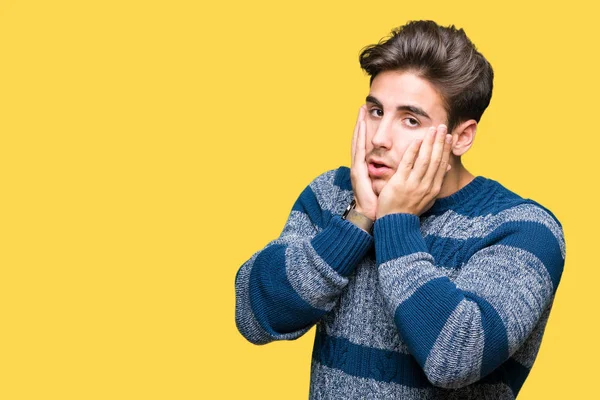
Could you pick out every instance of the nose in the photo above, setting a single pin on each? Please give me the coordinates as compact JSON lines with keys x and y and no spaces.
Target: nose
{"x":383,"y":135}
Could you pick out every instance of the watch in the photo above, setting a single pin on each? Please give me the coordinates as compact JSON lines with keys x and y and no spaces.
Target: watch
{"x":358,"y":219}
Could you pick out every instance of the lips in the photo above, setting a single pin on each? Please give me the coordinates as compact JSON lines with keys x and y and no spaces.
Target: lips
{"x":378,"y":169}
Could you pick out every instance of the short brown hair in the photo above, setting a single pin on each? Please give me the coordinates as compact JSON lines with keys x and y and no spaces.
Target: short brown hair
{"x":445,"y":57}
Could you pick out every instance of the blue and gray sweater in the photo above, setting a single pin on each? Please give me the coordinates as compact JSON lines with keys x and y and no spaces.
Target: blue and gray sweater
{"x":449,"y":304}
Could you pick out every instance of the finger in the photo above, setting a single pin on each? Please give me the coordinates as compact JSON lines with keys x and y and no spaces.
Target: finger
{"x":360,"y":160}
{"x":361,"y":112}
{"x":423,"y":157}
{"x":355,"y":134}
{"x":444,"y":164}
{"x":408,"y":159}
{"x":437,"y":155}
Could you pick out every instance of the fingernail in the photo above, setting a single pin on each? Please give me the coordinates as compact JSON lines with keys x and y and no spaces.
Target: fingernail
{"x":448,"y":138}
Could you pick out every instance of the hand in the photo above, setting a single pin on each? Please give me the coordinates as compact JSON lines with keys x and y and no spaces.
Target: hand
{"x":414,"y":190}
{"x":366,"y":200}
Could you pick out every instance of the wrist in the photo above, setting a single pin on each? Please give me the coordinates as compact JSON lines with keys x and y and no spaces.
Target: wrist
{"x":366,"y":212}
{"x":359,"y":219}
{"x":384,"y":213}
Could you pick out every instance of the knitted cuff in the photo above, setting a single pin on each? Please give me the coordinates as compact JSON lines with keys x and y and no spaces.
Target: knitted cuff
{"x":397,"y":235}
{"x":342,"y":244}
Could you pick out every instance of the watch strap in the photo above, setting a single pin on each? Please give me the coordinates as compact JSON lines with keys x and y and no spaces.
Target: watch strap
{"x":358,"y":219}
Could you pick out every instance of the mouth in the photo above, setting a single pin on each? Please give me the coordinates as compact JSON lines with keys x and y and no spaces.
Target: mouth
{"x":378,"y":170}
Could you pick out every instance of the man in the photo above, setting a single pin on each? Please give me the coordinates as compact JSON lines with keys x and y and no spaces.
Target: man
{"x":424,"y":280}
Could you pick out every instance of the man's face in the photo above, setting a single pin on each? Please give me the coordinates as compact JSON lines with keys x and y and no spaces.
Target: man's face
{"x":400,"y":108}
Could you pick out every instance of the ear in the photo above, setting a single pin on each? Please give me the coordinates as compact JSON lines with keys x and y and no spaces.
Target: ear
{"x":463,"y":136}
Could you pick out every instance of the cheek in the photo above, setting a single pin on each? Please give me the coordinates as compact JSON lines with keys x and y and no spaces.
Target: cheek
{"x":404,"y":144}
{"x":371,"y":128}
{"x":399,"y":152}
{"x":370,"y":124}
{"x":368,"y":143}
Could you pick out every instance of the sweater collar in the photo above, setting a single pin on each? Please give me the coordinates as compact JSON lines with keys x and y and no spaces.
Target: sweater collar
{"x":461,"y":197}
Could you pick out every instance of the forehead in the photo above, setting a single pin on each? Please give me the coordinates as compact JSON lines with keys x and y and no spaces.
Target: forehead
{"x":395,"y":88}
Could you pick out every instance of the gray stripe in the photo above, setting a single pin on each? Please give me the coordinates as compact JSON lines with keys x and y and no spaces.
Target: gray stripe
{"x":298,"y":227}
{"x":514,"y":282}
{"x":526,"y":354}
{"x":462,"y":331}
{"x":344,"y":197}
{"x":332,"y":384}
{"x":244,"y":316}
{"x":311,"y":277}
{"x":447,"y":225}
{"x":399,"y":282}
{"x":362,"y":316}
{"x":322,"y":186}
{"x":331,"y":197}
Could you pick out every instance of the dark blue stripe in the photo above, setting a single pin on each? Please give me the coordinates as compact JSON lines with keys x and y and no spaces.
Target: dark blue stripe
{"x":276,"y":305}
{"x":515,"y":375}
{"x":341,"y":245}
{"x":526,"y":235}
{"x":450,"y":252}
{"x":511,"y":373}
{"x":537,"y":239}
{"x":495,"y":348}
{"x":367,"y":362}
{"x":422,"y":316}
{"x":342,"y":178}
{"x":389,"y":366}
{"x":307,"y":203}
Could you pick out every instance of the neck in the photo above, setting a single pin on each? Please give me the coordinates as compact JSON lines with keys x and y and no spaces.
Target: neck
{"x":457,"y":178}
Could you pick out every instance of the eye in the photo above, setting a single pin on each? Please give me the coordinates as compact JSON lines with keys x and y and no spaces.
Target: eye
{"x":413,"y":123}
{"x":376,"y":112}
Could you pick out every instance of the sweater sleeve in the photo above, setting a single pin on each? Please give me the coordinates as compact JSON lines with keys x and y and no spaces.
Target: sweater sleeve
{"x":286,"y":287}
{"x":461,"y":331}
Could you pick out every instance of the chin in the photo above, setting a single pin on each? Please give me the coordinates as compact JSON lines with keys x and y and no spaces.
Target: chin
{"x":377,"y":185}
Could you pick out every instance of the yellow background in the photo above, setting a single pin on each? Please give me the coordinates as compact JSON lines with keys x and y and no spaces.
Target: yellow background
{"x":148,"y":148}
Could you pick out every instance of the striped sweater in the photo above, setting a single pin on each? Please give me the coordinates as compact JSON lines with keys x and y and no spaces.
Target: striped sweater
{"x":451,"y":304}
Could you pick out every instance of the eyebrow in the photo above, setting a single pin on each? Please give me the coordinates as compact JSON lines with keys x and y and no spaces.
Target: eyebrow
{"x":402,"y":107}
